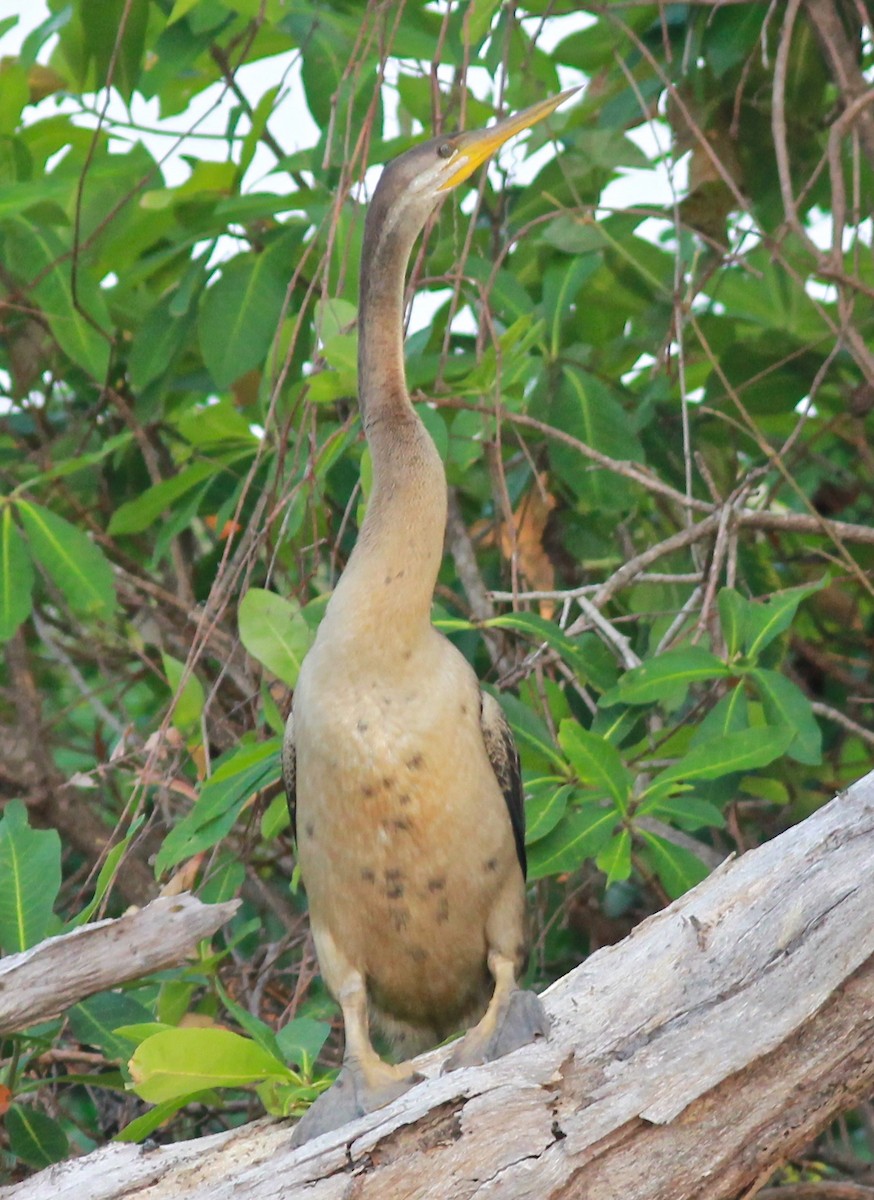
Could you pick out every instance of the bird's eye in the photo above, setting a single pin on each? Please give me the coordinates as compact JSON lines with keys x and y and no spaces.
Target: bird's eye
{"x":444,"y":150}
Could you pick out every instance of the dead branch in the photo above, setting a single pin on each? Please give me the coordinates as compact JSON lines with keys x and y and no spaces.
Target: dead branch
{"x":686,"y":1062}
{"x":62,"y":970}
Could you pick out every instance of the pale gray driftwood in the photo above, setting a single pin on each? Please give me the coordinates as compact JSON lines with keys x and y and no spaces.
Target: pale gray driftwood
{"x":62,"y":970}
{"x":686,"y":1062}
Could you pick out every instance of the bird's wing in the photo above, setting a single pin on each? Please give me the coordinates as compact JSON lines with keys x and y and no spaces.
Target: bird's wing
{"x":504,"y":757}
{"x":289,"y":772}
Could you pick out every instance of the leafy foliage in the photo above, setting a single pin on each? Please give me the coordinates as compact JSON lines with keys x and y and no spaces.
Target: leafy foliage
{"x":643,"y":353}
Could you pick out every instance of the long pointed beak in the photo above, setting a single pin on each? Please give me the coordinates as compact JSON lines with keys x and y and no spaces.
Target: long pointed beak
{"x":474,"y":148}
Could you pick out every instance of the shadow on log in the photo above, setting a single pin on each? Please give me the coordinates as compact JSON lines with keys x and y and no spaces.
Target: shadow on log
{"x":688,"y":1061}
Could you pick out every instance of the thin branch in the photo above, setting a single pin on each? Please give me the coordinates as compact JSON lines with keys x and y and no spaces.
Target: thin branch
{"x":778,"y":127}
{"x":843,"y":63}
{"x":608,"y":632}
{"x":626,"y":468}
{"x":834,"y":714}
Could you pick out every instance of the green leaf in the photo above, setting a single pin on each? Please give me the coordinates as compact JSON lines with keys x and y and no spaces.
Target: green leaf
{"x":509,"y":360}
{"x":190,"y":699}
{"x":334,"y":317}
{"x":114,"y":41}
{"x":768,"y":618}
{"x":733,"y":616}
{"x":16,"y":577}
{"x":785,"y":704}
{"x":82,"y":462}
{"x":616,"y":724}
{"x":14,"y":95}
{"x":534,"y":740}
{"x":257,"y":125}
{"x":561,"y":284}
{"x":591,"y":48}
{"x":157,"y":341}
{"x":179,"y":10}
{"x":142,"y":1127}
{"x":177,"y":1062}
{"x":544,"y":808}
{"x":35,"y":252}
{"x":301,"y":1041}
{"x":328,"y":55}
{"x":665,"y":676}
{"x":239,"y":776}
{"x":142,"y":1030}
{"x":225,"y":879}
{"x":678,"y":869}
{"x":580,"y":835}
{"x":541,"y":630}
{"x":239,"y":316}
{"x":742,"y":751}
{"x":576,"y":235}
{"x":478,"y":17}
{"x":94,"y":1022}
{"x":36,"y":1139}
{"x":212,"y":425}
{"x":174,"y":1001}
{"x":596,"y":762}
{"x":586,"y":408}
{"x":273,"y":630}
{"x":107,"y":873}
{"x":772,"y":791}
{"x":275,"y":819}
{"x":136,"y":515}
{"x":270,"y":712}
{"x":729,"y":715}
{"x":30,"y":868}
{"x":615,"y":859}
{"x":282,"y":1098}
{"x":687,"y":812}
{"x":259,"y":1031}
{"x":77,"y":567}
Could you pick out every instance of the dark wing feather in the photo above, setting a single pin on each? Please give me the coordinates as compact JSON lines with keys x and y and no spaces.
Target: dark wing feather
{"x":504,"y":757}
{"x":289,"y":773}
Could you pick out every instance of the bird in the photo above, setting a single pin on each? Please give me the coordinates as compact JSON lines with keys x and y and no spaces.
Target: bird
{"x":402,"y":776}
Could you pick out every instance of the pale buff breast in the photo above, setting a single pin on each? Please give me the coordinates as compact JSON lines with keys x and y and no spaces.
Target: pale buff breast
{"x":404,"y":839}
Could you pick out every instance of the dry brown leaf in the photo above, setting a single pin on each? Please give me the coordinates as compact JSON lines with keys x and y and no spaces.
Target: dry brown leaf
{"x":525,"y":537}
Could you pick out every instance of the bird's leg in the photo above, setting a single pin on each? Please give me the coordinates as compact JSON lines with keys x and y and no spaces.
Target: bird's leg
{"x":365,"y":1082}
{"x":377,"y":1081}
{"x":513,"y":1018}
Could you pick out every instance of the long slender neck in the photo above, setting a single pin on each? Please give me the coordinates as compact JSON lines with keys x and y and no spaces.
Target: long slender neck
{"x":382,"y":389}
{"x":388,"y":583}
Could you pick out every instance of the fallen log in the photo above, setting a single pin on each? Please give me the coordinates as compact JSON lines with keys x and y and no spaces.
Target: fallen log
{"x":686,"y":1062}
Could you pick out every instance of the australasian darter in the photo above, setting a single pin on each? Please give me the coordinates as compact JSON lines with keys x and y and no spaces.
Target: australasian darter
{"x":402,"y":775}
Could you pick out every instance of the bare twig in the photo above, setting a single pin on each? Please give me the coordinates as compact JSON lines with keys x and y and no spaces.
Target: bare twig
{"x":608,"y":632}
{"x":841,"y":718}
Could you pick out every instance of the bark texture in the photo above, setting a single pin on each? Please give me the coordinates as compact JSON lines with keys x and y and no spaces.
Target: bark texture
{"x":686,"y":1062}
{"x":62,"y":970}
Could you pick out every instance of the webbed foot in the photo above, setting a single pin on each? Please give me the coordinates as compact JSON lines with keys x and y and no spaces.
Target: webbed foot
{"x":521,"y":1020}
{"x":353,"y":1094}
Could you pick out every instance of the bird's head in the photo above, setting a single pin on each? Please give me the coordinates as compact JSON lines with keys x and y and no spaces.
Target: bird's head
{"x":412,"y":185}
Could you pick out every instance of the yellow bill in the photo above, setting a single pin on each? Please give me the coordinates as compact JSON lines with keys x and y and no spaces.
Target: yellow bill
{"x":472,"y":149}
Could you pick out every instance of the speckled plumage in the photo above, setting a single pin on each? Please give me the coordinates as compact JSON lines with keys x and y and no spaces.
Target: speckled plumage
{"x":416,"y":842}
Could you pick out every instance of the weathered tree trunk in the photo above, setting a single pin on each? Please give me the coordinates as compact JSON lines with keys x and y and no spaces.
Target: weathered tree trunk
{"x":688,"y":1061}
